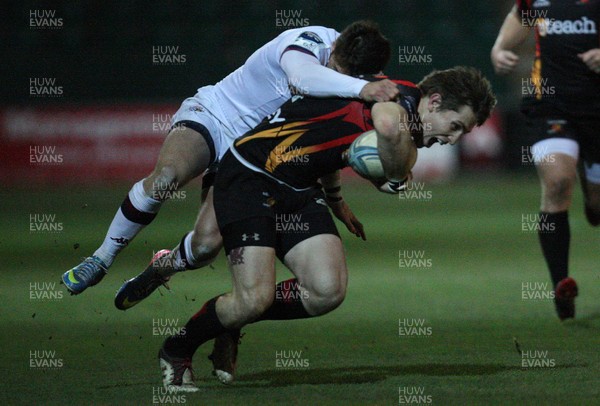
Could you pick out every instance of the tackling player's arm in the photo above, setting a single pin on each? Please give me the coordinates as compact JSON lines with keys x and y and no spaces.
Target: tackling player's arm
{"x":395,"y":145}
{"x":512,"y":33}
{"x":317,"y":80}
{"x":332,"y":185}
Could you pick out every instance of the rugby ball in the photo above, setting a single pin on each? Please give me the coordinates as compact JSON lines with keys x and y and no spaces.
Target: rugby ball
{"x":363,"y":156}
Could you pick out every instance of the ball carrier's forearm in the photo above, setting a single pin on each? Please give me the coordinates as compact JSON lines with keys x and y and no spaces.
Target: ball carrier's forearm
{"x":332,"y":185}
{"x":396,"y":148}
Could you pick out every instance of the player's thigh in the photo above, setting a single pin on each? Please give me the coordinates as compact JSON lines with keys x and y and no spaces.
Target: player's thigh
{"x":253,"y":271}
{"x":186,"y":152}
{"x":556,"y":164}
{"x":319,"y":264}
{"x":253,"y":279}
{"x":250,"y":249}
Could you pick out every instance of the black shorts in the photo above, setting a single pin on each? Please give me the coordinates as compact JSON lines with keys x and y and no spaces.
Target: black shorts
{"x":208,"y":177}
{"x":546,"y":120}
{"x":254,"y":210}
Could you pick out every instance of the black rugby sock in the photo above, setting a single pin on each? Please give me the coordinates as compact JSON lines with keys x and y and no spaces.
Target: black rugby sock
{"x":202,"y":327}
{"x":287,"y":304}
{"x":555,"y":237}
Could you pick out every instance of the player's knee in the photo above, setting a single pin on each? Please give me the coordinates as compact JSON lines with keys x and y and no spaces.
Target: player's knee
{"x":163,"y":181}
{"x":558,"y":190}
{"x":332,"y":301}
{"x":256,"y":302}
{"x":327,"y":296}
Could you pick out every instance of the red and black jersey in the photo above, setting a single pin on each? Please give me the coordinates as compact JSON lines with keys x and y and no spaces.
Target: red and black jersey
{"x":563,"y":29}
{"x":305,"y":138}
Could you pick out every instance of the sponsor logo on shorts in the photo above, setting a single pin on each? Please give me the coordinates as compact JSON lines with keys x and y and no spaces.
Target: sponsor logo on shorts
{"x":541,"y":3}
{"x":254,"y":236}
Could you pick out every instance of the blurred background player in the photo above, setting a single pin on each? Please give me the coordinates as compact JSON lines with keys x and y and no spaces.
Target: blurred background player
{"x":259,"y":183}
{"x":203,"y":128}
{"x":563,"y":110}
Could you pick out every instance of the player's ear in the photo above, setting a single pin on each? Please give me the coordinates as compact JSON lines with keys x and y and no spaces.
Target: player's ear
{"x":434,"y":101}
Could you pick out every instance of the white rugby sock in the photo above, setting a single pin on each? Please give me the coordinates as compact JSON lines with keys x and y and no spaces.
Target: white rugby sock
{"x":137,"y":211}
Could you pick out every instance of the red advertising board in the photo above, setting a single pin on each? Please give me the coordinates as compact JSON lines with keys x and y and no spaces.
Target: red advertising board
{"x":81,"y":144}
{"x":121,"y":143}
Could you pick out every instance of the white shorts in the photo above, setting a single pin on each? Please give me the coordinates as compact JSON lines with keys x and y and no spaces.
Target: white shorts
{"x":198,"y":109}
{"x":565,"y":146}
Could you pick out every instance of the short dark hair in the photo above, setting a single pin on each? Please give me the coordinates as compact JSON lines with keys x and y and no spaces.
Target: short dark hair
{"x":362,"y":49}
{"x":459,"y":86}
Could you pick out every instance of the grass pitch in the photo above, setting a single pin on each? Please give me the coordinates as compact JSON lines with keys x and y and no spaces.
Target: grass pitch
{"x":447,"y":325}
